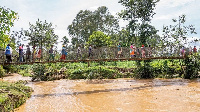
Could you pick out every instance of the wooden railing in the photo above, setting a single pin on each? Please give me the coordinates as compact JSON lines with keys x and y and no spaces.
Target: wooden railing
{"x":100,"y":54}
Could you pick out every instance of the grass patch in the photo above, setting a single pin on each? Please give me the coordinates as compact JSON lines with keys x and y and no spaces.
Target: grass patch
{"x":12,"y":95}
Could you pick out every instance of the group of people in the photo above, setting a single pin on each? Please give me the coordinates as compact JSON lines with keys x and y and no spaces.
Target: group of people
{"x":36,"y":54}
{"x":27,"y":54}
{"x":191,"y":50}
{"x":136,"y":52}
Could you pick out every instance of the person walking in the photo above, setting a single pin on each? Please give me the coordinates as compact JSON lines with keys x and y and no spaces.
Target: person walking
{"x":21,"y":59}
{"x":149,"y":51}
{"x":8,"y":53}
{"x":51,"y":53}
{"x":34,"y":54}
{"x":63,"y":56}
{"x":119,"y":49}
{"x":194,"y":49}
{"x":79,"y":52}
{"x":182,"y":51}
{"x":90,"y":52}
{"x":39,"y":54}
{"x":143,"y":51}
{"x":28,"y":54}
{"x":132,"y":50}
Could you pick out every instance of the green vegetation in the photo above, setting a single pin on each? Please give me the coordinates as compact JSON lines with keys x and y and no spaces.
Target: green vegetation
{"x":7,"y":20}
{"x":108,"y":70}
{"x":12,"y":95}
{"x":2,"y":71}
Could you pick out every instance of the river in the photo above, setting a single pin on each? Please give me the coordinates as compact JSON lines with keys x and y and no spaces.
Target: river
{"x":117,"y":95}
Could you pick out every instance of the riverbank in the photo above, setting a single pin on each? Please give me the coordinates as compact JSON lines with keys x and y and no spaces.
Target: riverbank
{"x":13,"y":92}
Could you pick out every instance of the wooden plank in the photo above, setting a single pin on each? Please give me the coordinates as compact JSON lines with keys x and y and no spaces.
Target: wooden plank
{"x":91,"y":60}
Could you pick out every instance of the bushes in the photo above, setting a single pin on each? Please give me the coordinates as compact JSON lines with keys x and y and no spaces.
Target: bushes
{"x":93,"y":73}
{"x":11,"y":68}
{"x":192,"y":68}
{"x":38,"y":72}
{"x":2,"y":72}
{"x":144,"y":70}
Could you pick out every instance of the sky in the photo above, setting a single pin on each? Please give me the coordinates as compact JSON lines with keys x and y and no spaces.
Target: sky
{"x":62,"y":12}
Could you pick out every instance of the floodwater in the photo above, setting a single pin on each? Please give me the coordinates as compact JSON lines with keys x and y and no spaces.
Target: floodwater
{"x":117,"y":95}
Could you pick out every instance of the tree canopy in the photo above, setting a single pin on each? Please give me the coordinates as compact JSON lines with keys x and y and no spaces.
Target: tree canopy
{"x":139,"y":13}
{"x":41,"y":34}
{"x":99,"y":39}
{"x":177,"y":34}
{"x":7,"y":18}
{"x":86,"y":22}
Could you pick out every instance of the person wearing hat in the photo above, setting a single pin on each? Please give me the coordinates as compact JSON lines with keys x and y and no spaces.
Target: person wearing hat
{"x":8,"y":53}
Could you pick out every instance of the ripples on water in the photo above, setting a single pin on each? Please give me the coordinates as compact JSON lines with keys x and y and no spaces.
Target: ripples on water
{"x":122,"y":95}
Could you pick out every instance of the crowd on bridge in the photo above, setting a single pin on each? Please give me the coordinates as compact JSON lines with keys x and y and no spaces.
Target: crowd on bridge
{"x":142,"y":52}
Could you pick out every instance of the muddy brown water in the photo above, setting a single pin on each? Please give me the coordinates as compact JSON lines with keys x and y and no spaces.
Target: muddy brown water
{"x":117,"y":95}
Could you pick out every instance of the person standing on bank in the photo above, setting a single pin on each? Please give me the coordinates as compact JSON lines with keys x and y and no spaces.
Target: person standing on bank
{"x":8,"y":53}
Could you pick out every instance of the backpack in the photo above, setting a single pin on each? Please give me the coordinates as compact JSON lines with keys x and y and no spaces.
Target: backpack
{"x":7,"y":50}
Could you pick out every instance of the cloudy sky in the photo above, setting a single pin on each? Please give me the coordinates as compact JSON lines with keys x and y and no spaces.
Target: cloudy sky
{"x":62,"y":12}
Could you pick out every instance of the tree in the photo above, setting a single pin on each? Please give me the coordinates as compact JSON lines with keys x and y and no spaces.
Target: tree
{"x":124,"y":37}
{"x":99,"y":39}
{"x":41,"y":34}
{"x":139,"y":14}
{"x":86,"y":22}
{"x":18,"y":36}
{"x":176,"y":35}
{"x":7,"y":18}
{"x":65,"y":41}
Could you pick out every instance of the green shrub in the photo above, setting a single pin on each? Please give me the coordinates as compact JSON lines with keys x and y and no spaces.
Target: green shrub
{"x":93,"y":73}
{"x":192,"y":66}
{"x":2,"y":72}
{"x":38,"y":72}
{"x":11,"y":68}
{"x":144,"y":70}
